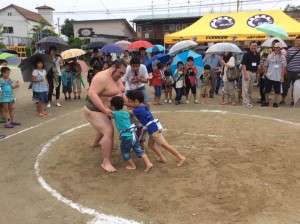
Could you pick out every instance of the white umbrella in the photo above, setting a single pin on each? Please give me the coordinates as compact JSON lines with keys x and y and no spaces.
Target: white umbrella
{"x":182,"y":46}
{"x":296,"y":92}
{"x":123,"y":44}
{"x":220,"y":48}
{"x":268,"y":43}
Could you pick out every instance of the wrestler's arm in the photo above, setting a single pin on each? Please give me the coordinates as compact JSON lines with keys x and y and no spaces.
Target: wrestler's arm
{"x":97,"y":87}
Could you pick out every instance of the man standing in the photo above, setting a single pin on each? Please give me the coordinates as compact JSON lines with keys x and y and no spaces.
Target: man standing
{"x":250,"y":62}
{"x":136,"y":77}
{"x":215,"y":63}
{"x":143,"y":55}
{"x":293,"y":69}
{"x":274,"y":67}
{"x":105,"y":85}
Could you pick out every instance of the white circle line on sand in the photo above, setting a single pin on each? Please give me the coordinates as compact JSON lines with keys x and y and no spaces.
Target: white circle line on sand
{"x":98,"y":216}
{"x":38,"y":125}
{"x":101,"y":218}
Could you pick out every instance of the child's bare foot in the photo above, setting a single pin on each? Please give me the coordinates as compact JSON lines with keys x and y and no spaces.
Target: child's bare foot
{"x":181,"y":161}
{"x":206,"y":102}
{"x":130,"y":167}
{"x":41,"y":115}
{"x":161,"y":160}
{"x":148,"y":168}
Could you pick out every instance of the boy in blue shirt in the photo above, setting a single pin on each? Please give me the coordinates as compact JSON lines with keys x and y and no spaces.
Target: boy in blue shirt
{"x":127,"y":135}
{"x":154,"y":128}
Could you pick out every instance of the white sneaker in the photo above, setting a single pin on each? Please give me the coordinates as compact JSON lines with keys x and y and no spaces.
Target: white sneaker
{"x":166,"y":101}
{"x":48,"y":105}
{"x":170,"y":101}
{"x":58,"y":105}
{"x":249,"y":105}
{"x":187,"y":102}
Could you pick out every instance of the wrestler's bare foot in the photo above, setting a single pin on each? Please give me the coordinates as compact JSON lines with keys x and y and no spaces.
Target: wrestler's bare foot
{"x":181,"y":161}
{"x":148,"y":168}
{"x":108,"y":167}
{"x":161,"y":160}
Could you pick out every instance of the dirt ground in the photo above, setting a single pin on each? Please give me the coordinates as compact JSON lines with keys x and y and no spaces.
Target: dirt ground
{"x":240,"y":167}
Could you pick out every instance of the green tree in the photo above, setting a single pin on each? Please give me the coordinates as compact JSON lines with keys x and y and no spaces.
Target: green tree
{"x":292,"y":8}
{"x":2,"y":45}
{"x":75,"y":42}
{"x":67,"y":28}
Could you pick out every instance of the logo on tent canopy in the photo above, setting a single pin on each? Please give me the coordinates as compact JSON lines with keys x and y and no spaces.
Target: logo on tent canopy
{"x":259,"y":19}
{"x":222,"y":22}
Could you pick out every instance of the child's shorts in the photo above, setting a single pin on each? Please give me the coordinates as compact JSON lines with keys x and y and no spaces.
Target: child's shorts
{"x":41,"y":96}
{"x":126,"y":146}
{"x":157,"y":138}
{"x":68,"y":88}
{"x":204,"y":91}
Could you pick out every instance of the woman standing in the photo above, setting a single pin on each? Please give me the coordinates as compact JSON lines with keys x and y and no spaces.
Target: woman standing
{"x":228,"y":62}
{"x":54,"y":77}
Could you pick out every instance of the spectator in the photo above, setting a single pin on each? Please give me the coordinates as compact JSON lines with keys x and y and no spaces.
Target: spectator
{"x":228,"y":62}
{"x":143,"y":56}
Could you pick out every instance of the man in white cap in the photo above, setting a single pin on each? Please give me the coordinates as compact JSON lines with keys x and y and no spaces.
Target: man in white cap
{"x":275,"y":66}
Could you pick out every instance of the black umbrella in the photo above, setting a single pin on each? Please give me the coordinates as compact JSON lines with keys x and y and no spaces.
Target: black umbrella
{"x":4,"y":50}
{"x":96,"y":44}
{"x":27,"y":65}
{"x":58,"y":42}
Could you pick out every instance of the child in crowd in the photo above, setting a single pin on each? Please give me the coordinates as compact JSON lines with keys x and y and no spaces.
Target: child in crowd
{"x":157,"y":82}
{"x":67,"y":80}
{"x":168,"y":82}
{"x":261,"y":72}
{"x":7,"y":97}
{"x":190,"y":72}
{"x":205,"y":81}
{"x":127,"y":135}
{"x":77,"y":79}
{"x":92,"y":72}
{"x":179,"y":82}
{"x":3,"y":63}
{"x":154,"y":128}
{"x":105,"y":65}
{"x":40,"y":86}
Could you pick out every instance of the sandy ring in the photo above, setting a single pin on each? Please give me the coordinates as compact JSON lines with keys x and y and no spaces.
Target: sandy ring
{"x":100,"y":218}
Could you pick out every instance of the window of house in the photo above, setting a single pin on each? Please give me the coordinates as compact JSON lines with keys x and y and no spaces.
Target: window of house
{"x":8,"y":29}
{"x":138,"y":29}
{"x":9,"y":14}
{"x":177,"y":27}
{"x":169,"y":27}
{"x":184,"y":26}
{"x":146,"y":28}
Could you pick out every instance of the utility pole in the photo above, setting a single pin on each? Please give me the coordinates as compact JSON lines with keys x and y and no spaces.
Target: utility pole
{"x":237,"y":5}
{"x":58,"y":26}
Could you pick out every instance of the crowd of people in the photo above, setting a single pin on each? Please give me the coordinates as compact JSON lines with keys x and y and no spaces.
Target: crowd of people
{"x":113,"y":84}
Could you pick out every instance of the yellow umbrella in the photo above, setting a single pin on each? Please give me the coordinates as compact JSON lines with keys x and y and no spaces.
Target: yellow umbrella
{"x":72,"y":53}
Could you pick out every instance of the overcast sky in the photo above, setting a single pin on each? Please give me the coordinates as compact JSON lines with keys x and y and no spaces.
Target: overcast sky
{"x":94,"y":9}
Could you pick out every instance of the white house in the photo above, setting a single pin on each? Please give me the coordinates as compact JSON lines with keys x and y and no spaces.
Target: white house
{"x":18,"y":22}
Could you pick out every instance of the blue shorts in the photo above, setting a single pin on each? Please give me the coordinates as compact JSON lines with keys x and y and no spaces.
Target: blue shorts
{"x":68,"y":88}
{"x":157,"y":90}
{"x":126,"y":145}
{"x":41,"y":96}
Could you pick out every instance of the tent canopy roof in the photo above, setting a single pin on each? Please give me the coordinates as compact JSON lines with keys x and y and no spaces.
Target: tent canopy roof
{"x":238,"y":26}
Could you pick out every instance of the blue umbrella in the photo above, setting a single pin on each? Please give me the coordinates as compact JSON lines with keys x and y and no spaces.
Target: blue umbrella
{"x":112,"y":48}
{"x":164,"y":58}
{"x":183,"y":57}
{"x":156,"y":48}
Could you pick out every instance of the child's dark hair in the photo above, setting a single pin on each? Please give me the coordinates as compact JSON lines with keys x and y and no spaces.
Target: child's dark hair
{"x":160,"y":65}
{"x":264,"y":55}
{"x":117,"y":102}
{"x":135,"y":61}
{"x":136,"y":95}
{"x":37,"y":61}
{"x":52,"y":48}
{"x":207,"y":67}
{"x":4,"y":69}
{"x":167,"y":73}
{"x":180,"y":63}
{"x":2,"y":61}
{"x":168,"y":63}
{"x":190,"y":58}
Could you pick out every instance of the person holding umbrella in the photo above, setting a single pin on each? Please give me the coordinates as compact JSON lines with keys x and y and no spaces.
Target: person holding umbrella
{"x":77,"y":78}
{"x":54,"y":77}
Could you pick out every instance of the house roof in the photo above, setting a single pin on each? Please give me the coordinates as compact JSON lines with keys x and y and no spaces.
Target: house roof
{"x":105,"y":20}
{"x":44,"y":7}
{"x":33,"y":16}
{"x":188,"y":15}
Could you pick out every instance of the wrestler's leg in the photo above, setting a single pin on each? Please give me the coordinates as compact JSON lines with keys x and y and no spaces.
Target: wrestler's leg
{"x":104,"y":126}
{"x":96,"y":140}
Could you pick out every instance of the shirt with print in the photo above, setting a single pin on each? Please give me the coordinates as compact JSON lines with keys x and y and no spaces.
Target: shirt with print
{"x":157,"y":78}
{"x":205,"y":78}
{"x":6,"y":89}
{"x":39,"y":86}
{"x":144,"y":115}
{"x":122,"y":122}
{"x":275,"y":64}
